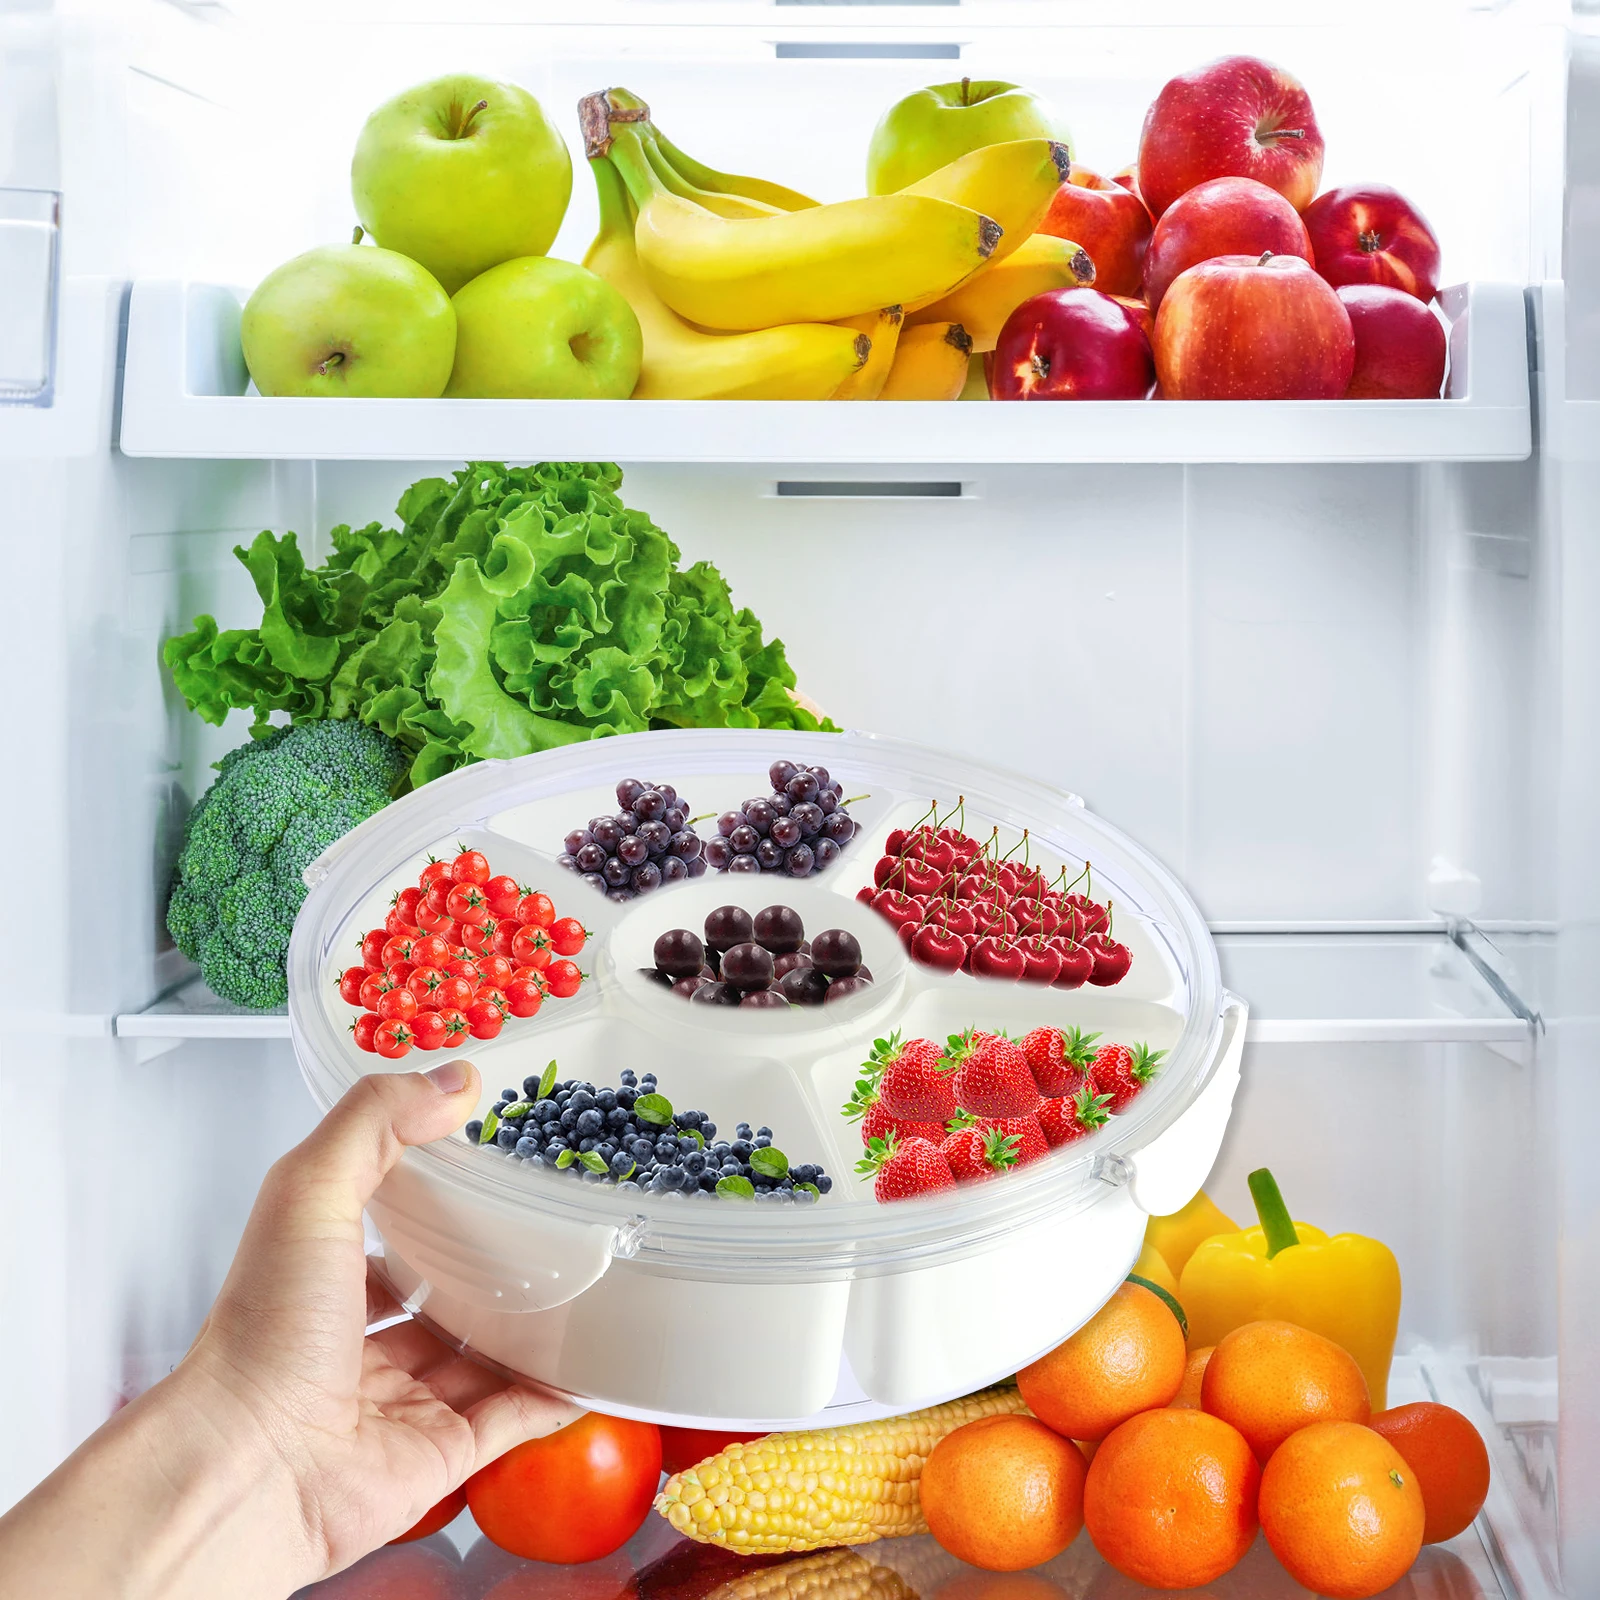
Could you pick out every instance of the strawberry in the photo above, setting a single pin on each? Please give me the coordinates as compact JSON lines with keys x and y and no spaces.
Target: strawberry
{"x":910,"y":1083}
{"x":1070,"y":1117}
{"x":916,"y":1167}
{"x":976,"y":1153}
{"x":878,"y":1124}
{"x":1121,"y":1072}
{"x":1056,"y":1060}
{"x":1025,"y":1132}
{"x":991,"y":1075}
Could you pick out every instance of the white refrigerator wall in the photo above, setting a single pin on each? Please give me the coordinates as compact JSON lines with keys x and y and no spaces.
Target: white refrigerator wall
{"x":1310,"y":689}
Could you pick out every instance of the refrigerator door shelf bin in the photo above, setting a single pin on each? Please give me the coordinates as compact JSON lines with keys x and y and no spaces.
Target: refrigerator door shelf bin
{"x":186,"y":395}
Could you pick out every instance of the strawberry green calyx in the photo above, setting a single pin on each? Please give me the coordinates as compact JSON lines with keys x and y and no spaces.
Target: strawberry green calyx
{"x":878,"y":1154}
{"x":1145,"y":1062}
{"x":1000,"y":1149}
{"x":1091,"y":1108}
{"x":958,"y":1046}
{"x":862,"y":1099}
{"x":1078,"y":1047}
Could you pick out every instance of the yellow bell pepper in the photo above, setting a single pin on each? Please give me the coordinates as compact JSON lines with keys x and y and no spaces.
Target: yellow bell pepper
{"x":1176,"y":1234}
{"x":1347,"y":1288}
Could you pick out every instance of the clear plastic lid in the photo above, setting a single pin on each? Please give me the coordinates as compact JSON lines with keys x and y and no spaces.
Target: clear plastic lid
{"x":793,"y":1069}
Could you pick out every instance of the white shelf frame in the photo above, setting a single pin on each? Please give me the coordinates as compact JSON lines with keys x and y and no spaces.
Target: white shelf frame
{"x":185,"y":396}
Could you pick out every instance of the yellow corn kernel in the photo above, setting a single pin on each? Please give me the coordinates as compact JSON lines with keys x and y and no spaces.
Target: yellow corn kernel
{"x":836,"y":1486}
{"x":827,"y":1575}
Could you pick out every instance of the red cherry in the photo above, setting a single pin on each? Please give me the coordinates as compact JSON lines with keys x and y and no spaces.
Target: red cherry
{"x":998,"y":958}
{"x":900,"y":909}
{"x":1041,"y":961}
{"x":960,"y":917}
{"x":1077,"y":962}
{"x":943,"y":951}
{"x":895,"y":843}
{"x":1111,"y":960}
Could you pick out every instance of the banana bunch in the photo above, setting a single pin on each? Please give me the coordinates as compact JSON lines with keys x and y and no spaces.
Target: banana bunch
{"x":745,"y":289}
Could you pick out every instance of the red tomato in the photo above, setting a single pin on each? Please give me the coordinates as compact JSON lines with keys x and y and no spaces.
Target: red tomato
{"x":505,"y":932}
{"x":681,"y":1448}
{"x":503,"y":893}
{"x":495,"y":970}
{"x":397,"y":922}
{"x":430,"y":950}
{"x":532,"y":948}
{"x":363,"y":1028}
{"x":456,"y":1026}
{"x":479,"y":937}
{"x":393,"y":1039}
{"x":468,"y":903}
{"x":485,"y":1019}
{"x":495,"y":997}
{"x":376,"y":985}
{"x":435,"y":920}
{"x":400,"y":973}
{"x":435,"y":872}
{"x":428,"y":1031}
{"x":536,"y":910}
{"x":372,"y":950}
{"x":524,"y":997}
{"x":575,"y":1495}
{"x":441,"y":1516}
{"x":397,"y":1005}
{"x":462,"y":964}
{"x":350,"y":981}
{"x":396,"y":1572}
{"x":568,"y":936}
{"x":563,"y":978}
{"x":471,"y":866}
{"x":398,"y":948}
{"x":407,"y":900}
{"x":424,"y":985}
{"x":453,"y":994}
{"x":533,"y":975}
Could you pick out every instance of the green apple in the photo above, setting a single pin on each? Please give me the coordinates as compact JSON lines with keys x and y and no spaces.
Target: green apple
{"x":349,"y":319}
{"x":461,"y":174}
{"x":933,"y":127}
{"x":542,"y":329}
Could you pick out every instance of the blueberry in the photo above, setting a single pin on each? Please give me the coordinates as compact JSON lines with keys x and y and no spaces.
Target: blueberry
{"x":590,"y":1122}
{"x":526,"y":1148}
{"x":530,"y":1088}
{"x":582,"y":1100}
{"x":506,"y":1136}
{"x":473,"y":1131}
{"x":562,"y":1095}
{"x":745,"y":1131}
{"x":694,"y":1162}
{"x":668,"y":1178}
{"x":741,"y":1149}
{"x":763,"y":1186}
{"x":648,"y":1082}
{"x":764,"y":1133}
{"x":606,"y":1148}
{"x":629,"y":1077}
{"x":689,"y":1119}
{"x":606,"y":1099}
{"x":732,"y":1168}
{"x":707,"y":1182}
{"x":763,"y":1141}
{"x":707,"y":1129}
{"x":621,"y":1164}
{"x":666,"y":1145}
{"x":804,"y":1197}
{"x":642,"y":1147}
{"x":824,"y":1182}
{"x":568,"y":1119}
{"x":720,"y":1148}
{"x":627,"y":1097}
{"x":617,"y":1118}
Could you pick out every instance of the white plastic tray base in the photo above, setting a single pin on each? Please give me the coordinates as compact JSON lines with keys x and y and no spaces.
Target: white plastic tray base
{"x":185,"y":386}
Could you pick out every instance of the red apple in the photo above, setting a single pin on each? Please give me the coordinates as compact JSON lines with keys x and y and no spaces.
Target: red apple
{"x":1253,"y":328}
{"x":1370,"y":233}
{"x":1128,"y":177}
{"x":1223,"y":217}
{"x":1400,"y":344}
{"x":1234,"y":118}
{"x":1141,"y":313}
{"x":1109,"y":221}
{"x":1071,"y":344}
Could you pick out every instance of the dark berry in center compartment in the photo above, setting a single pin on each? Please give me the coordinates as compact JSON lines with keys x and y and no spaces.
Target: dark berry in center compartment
{"x":836,"y":953}
{"x":788,"y":962}
{"x":715,"y":994}
{"x":765,"y":999}
{"x":679,"y":953}
{"x":779,"y":929}
{"x":803,"y":986}
{"x":747,"y":966}
{"x":728,"y":926}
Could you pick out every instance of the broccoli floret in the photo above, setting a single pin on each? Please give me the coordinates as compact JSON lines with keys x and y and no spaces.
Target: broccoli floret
{"x":275,"y":806}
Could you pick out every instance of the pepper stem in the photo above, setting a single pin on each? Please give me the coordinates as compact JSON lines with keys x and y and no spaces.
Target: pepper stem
{"x":1276,"y":1222}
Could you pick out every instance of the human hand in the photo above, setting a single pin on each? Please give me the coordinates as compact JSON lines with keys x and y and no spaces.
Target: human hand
{"x":288,"y":1442}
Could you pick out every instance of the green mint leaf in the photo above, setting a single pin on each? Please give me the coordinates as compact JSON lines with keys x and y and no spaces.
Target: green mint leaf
{"x":654,"y":1108}
{"x":594,"y":1161}
{"x":740,"y":1187}
{"x":812,"y":1187}
{"x":769,"y":1162}
{"x":565,"y":1159}
{"x":490,"y":1123}
{"x":520,"y":1109}
{"x":547,"y":1082}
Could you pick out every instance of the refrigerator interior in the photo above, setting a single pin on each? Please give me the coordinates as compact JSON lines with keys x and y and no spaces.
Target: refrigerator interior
{"x":1351,"y":704}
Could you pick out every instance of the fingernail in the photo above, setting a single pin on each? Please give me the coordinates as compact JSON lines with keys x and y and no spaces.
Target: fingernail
{"x":449,"y":1077}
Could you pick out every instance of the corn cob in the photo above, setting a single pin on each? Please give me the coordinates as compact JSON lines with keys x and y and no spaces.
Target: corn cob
{"x":807,"y":1491}
{"x":824,"y":1575}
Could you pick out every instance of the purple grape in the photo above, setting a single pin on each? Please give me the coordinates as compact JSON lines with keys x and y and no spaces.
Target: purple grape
{"x":743,"y":840}
{"x":803,"y":986}
{"x":646,"y":878}
{"x":821,"y":775}
{"x":616,"y":872}
{"x":799,"y":861}
{"x":789,"y":961}
{"x":679,"y":953}
{"x":591,"y":858}
{"x":673,"y":869}
{"x":770,"y":855}
{"x":841,"y":826}
{"x":843,"y":988}
{"x":650,"y":805}
{"x":656,"y":835}
{"x":667,"y":793}
{"x":809,"y":815}
{"x":697,"y":867}
{"x":802,"y":787}
{"x":717,"y":854}
{"x":576,"y":840}
{"x":836,"y":953}
{"x":606,"y":832}
{"x":567,"y":863}
{"x":633,"y":850}
{"x":758,"y":814}
{"x":765,"y":1000}
{"x":594,"y":879}
{"x":728,"y":821}
{"x":785,"y":832}
{"x":685,"y":844}
{"x":676,"y":818}
{"x":826,"y":851}
{"x":715,"y":994}
{"x":747,"y":966}
{"x":744,"y":864}
{"x":780,"y":772}
{"x":628,"y":791}
{"x":687,"y":986}
{"x":827,"y":802}
{"x":778,"y":929}
{"x":781,"y":804}
{"x":621,"y":896}
{"x":727,"y":926}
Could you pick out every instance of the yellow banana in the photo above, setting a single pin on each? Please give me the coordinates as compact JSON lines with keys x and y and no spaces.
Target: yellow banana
{"x":982,"y":304}
{"x":708,"y":178}
{"x":816,"y":265}
{"x":722,"y":205}
{"x":977,"y":385}
{"x":1013,"y":182}
{"x":802,"y":361}
{"x":930,"y":363}
{"x":883,"y":329}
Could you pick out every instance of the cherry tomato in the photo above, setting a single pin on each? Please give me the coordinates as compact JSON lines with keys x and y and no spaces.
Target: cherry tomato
{"x":468,"y":903}
{"x":494,"y":996}
{"x":393,"y":1038}
{"x":503,"y":894}
{"x":407,"y":900}
{"x":471,"y":866}
{"x":495,"y":970}
{"x":398,"y":1005}
{"x":505,"y":933}
{"x":438,"y":895}
{"x":575,"y":1495}
{"x":442,"y":1515}
{"x":453,"y":994}
{"x":398,"y":922}
{"x":400,"y":973}
{"x":568,"y":936}
{"x":456,"y":1026}
{"x":524,"y":997}
{"x":435,"y":921}
{"x":532,"y":947}
{"x":484,"y":1018}
{"x":428,"y":1030}
{"x":478,"y":940}
{"x":398,"y":948}
{"x":462,"y":964}
{"x":434,"y":872}
{"x":363,"y":1028}
{"x":350,"y":981}
{"x":531,"y":975}
{"x":376,"y":985}
{"x":425,"y":984}
{"x":563,"y":978}
{"x":536,"y":909}
{"x":681,"y":1448}
{"x":372,"y":950}
{"x":430,"y":950}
